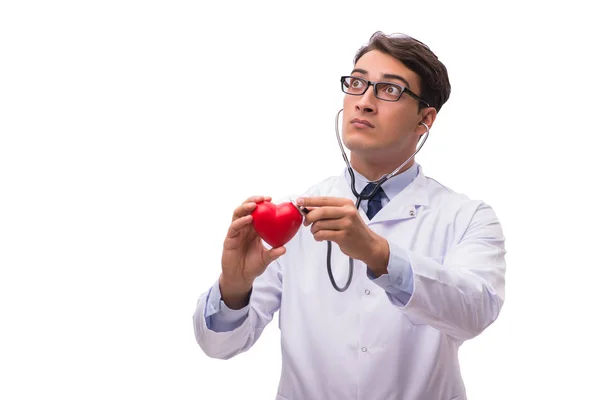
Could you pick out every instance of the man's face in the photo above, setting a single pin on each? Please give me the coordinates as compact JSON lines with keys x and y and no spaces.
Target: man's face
{"x":395,"y":125}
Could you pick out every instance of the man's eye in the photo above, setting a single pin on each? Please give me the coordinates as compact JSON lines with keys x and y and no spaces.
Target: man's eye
{"x":392,"y":90}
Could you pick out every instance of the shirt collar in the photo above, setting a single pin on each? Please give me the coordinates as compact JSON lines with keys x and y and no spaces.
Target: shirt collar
{"x":392,"y":187}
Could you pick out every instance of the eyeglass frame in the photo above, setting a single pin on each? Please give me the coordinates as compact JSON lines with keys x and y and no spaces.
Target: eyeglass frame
{"x":374,"y":84}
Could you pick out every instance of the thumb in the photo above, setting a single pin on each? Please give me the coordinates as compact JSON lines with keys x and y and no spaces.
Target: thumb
{"x":273,"y":254}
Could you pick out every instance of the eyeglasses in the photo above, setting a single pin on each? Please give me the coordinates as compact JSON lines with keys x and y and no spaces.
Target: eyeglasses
{"x":386,"y":91}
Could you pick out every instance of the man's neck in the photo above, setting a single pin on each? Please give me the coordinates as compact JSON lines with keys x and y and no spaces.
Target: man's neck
{"x":373,"y":170}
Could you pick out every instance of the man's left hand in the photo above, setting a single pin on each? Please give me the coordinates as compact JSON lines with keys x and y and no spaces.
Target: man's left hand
{"x":336,"y":219}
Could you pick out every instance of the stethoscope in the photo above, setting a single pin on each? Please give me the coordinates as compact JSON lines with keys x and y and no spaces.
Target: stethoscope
{"x":360,"y":198}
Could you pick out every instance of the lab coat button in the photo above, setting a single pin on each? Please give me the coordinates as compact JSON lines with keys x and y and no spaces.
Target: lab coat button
{"x":412,"y":213}
{"x":367,"y":292}
{"x":364,"y":349}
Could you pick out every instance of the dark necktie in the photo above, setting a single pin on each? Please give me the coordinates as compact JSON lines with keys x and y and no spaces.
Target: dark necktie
{"x":375,"y":203}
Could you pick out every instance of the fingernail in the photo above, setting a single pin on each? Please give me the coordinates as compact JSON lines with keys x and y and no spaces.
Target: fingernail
{"x":300,"y":201}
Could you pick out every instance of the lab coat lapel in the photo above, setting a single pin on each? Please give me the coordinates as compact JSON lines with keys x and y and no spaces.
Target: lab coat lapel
{"x":406,"y":203}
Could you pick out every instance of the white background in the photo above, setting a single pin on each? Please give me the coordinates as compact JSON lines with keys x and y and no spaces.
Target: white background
{"x":130,"y":130}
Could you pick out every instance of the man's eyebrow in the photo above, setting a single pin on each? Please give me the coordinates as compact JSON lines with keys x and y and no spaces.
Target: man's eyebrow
{"x":360,"y":71}
{"x":398,"y":77}
{"x":386,"y":76}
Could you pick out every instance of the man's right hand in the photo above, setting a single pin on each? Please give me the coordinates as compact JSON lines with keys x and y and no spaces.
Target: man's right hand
{"x":244,"y":256}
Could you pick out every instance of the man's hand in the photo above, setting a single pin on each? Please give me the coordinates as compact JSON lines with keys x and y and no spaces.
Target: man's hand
{"x":244,"y":256}
{"x":337,"y":219}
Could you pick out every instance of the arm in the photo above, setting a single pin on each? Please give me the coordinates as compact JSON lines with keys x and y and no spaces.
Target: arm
{"x":460,"y":296}
{"x":222,"y":332}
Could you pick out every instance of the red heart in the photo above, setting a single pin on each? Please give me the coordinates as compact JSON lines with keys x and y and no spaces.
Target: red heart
{"x":276,"y":225}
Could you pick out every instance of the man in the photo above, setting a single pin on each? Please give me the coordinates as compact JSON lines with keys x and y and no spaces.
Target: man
{"x":428,"y":262}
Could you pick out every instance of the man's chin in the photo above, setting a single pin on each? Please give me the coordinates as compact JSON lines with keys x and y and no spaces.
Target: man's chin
{"x":357,"y":144}
{"x":365,"y":150}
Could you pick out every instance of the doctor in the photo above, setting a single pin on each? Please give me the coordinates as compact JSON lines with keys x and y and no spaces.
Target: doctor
{"x":429,"y":262}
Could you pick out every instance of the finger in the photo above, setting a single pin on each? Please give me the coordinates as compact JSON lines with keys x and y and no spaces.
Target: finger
{"x":323,"y":201}
{"x":322,"y":213}
{"x":243,"y":210}
{"x":237,"y":225}
{"x":273,"y":254}
{"x":248,"y":206}
{"x":330,"y":225}
{"x":257,"y":199}
{"x":332,"y":236}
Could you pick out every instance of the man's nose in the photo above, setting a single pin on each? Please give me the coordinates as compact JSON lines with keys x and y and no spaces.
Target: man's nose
{"x":366,"y":102}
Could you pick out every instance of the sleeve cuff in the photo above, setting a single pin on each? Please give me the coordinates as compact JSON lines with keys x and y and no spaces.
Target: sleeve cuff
{"x":219,"y":317}
{"x":398,"y":282}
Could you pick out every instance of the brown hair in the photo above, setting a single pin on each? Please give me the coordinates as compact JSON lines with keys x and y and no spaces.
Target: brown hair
{"x":435,"y":85}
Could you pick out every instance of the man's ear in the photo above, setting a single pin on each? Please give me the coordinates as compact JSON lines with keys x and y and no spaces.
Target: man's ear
{"x":428,"y":118}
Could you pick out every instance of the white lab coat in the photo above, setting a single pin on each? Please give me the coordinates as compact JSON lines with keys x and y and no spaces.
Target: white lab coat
{"x":363,"y":343}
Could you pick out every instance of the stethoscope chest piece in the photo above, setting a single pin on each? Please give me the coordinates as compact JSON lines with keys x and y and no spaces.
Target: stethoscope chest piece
{"x":301,"y":210}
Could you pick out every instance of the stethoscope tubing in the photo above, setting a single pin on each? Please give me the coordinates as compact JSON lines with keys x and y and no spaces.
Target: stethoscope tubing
{"x":360,"y":198}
